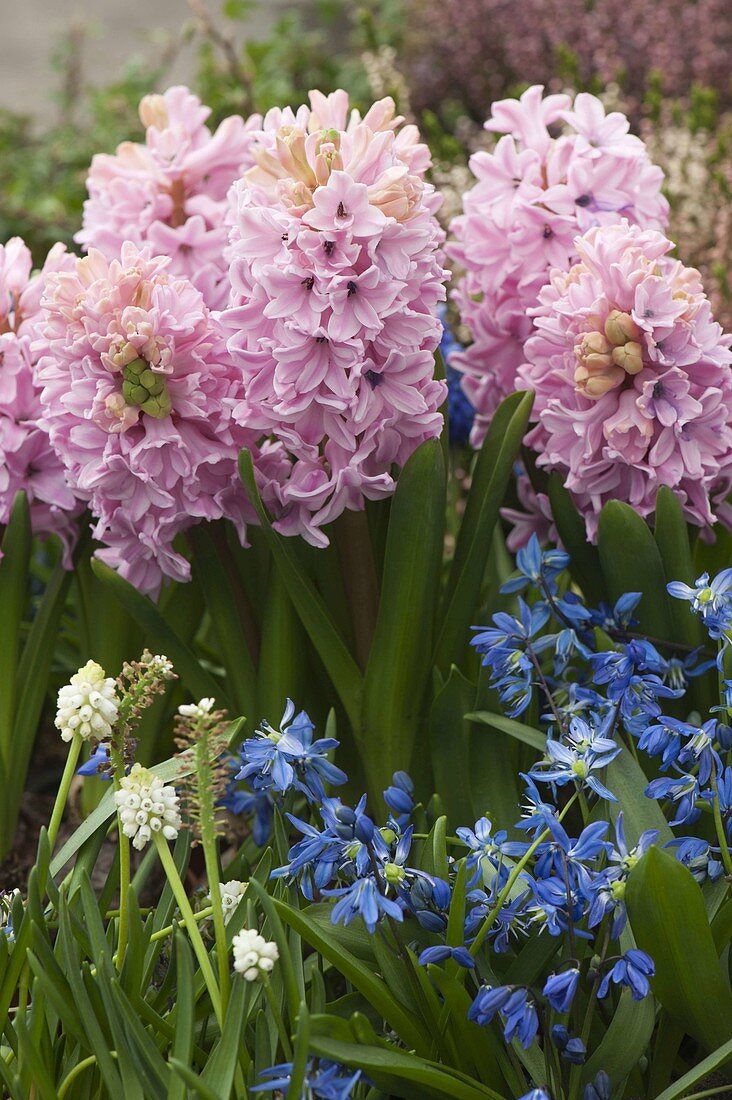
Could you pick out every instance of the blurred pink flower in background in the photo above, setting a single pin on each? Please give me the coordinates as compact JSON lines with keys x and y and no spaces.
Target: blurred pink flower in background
{"x":27,"y":460}
{"x":632,"y":379}
{"x":170,"y":191}
{"x":534,"y":194}
{"x":336,"y":276}
{"x":138,"y":393}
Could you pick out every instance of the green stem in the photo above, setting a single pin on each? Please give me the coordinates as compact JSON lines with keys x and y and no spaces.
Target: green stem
{"x":719,"y":825}
{"x":277,"y":1014}
{"x":63,"y":790}
{"x":214,"y":886}
{"x":118,"y":763}
{"x":78,"y":1069}
{"x":189,"y":920}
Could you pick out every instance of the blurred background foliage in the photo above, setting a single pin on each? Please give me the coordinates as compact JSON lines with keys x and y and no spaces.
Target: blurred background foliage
{"x":664,"y":62}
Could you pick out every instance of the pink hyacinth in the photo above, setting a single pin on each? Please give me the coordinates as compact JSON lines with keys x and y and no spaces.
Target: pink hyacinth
{"x":170,"y":192}
{"x":138,"y":393}
{"x":27,"y":460}
{"x":632,"y":379}
{"x":535,"y":193}
{"x":336,"y":276}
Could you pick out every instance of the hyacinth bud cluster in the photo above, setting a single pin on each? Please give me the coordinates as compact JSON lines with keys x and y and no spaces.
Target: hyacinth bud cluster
{"x":27,"y":459}
{"x":137,"y":396}
{"x":336,"y":275}
{"x":170,"y":191}
{"x":632,"y":379}
{"x":146,"y":806}
{"x":87,"y":706}
{"x":535,"y":193}
{"x":254,"y":957}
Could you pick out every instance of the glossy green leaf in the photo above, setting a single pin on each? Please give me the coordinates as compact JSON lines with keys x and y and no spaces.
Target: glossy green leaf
{"x":490,"y":479}
{"x":449,"y":735}
{"x":519,"y":730}
{"x":585,"y":564}
{"x":669,"y":921}
{"x":625,"y":1041}
{"x":218,"y":1073}
{"x":627,"y":781}
{"x":14,"y":563}
{"x":399,"y":665}
{"x":719,"y":1057}
{"x":631,"y":562}
{"x":315,"y":616}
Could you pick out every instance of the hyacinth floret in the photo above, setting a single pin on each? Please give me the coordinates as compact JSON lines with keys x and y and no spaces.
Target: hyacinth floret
{"x":336,"y":278}
{"x":88,"y":705}
{"x":535,"y":193}
{"x":169,"y":191}
{"x":28,"y":462}
{"x":632,"y":379}
{"x":137,"y":396}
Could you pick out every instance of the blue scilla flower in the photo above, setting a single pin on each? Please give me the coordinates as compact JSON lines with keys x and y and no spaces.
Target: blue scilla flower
{"x":324,"y":1080}
{"x":619,"y":618}
{"x":599,"y":1089}
{"x":698,"y":856}
{"x":508,"y":922}
{"x":536,"y":567}
{"x":662,"y":738}
{"x":563,"y":855}
{"x":362,"y":898}
{"x":537,"y":1094}
{"x":256,"y":805}
{"x":399,"y":798}
{"x":633,"y":969}
{"x":442,"y":953}
{"x":487,"y":849}
{"x":607,"y":890}
{"x":576,"y":758}
{"x":711,"y":600}
{"x":98,"y":764}
{"x":535,"y":812}
{"x":288,"y":758}
{"x":684,"y":790}
{"x":559,"y":989}
{"x":698,"y":748}
{"x":516,"y":1007}
{"x":571,"y":1047}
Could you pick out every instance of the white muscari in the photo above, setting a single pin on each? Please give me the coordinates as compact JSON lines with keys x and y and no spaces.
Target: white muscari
{"x":231,"y":894}
{"x":146,"y":806}
{"x":88,"y":705}
{"x":196,"y":710}
{"x":254,"y":957}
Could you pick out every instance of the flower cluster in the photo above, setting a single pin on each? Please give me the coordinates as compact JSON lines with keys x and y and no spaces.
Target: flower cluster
{"x":324,"y":1080}
{"x":336,"y":276}
{"x":146,"y":806}
{"x":254,"y":957}
{"x":632,"y":379}
{"x":231,"y":894}
{"x":137,"y":397}
{"x":170,"y":191}
{"x":28,"y":462}
{"x":535,"y":194}
{"x":87,"y":706}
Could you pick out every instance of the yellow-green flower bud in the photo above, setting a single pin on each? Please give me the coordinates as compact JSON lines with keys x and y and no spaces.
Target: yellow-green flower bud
{"x":620,"y":327}
{"x":146,"y":389}
{"x":629,"y":356}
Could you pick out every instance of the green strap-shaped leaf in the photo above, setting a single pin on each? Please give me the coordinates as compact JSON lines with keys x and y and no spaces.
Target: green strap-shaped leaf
{"x":218,"y":1074}
{"x":669,"y":921}
{"x":315,"y":616}
{"x":449,"y":735}
{"x":625,"y":1040}
{"x":519,"y":730}
{"x":631,"y":562}
{"x":718,"y":1058}
{"x":491,"y":475}
{"x":160,"y":635}
{"x":627,"y":781}
{"x":585,"y":566}
{"x":402,"y":1074}
{"x":16,"y":551}
{"x":400,"y":662}
{"x":228,"y":618}
{"x":358,"y":974}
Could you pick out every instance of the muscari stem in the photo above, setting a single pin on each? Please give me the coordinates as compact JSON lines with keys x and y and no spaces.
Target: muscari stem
{"x":118,"y":765}
{"x":63,"y":790}
{"x":189,"y":920}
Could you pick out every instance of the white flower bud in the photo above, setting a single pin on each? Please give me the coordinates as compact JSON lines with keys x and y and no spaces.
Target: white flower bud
{"x":231,"y":894}
{"x":196,"y":710}
{"x":87,"y":705}
{"x":146,"y":806}
{"x":253,"y":955}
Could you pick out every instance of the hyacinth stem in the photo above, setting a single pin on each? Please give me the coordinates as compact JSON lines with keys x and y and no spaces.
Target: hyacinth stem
{"x":63,"y":789}
{"x":359,"y":579}
{"x":189,"y":920}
